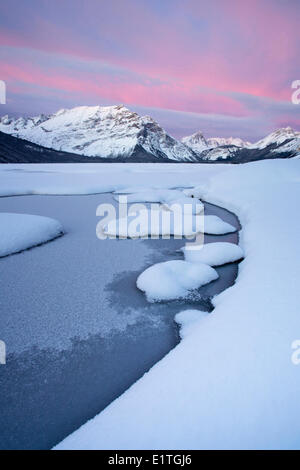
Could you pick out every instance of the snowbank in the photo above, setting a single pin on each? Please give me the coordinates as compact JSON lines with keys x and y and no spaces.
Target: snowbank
{"x":92,"y":178}
{"x":214,"y":254}
{"x":230,"y":384}
{"x":174,"y":279}
{"x":187,"y":320}
{"x":21,"y":231}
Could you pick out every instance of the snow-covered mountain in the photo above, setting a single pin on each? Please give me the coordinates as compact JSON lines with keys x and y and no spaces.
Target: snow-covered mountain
{"x":220,"y":153}
{"x":199,"y":143}
{"x":117,"y":134}
{"x":282,"y":140}
{"x":214,"y":142}
{"x":196,"y":142}
{"x":110,"y":131}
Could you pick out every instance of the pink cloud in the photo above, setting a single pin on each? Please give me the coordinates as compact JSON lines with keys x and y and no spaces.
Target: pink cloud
{"x":190,"y":56}
{"x":170,"y":96}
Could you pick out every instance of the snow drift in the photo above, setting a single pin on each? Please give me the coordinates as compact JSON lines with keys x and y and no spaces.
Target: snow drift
{"x":19,"y":232}
{"x":174,"y":279}
{"x":213,"y":254}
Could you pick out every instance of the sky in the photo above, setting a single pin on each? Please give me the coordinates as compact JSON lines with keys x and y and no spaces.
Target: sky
{"x":224,"y":67}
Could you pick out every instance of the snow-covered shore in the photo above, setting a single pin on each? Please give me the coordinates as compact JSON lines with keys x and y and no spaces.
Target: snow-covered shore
{"x":92,"y":178}
{"x":231,"y":382}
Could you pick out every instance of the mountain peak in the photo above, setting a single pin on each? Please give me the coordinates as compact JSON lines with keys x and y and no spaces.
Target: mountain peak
{"x":278,"y":137}
{"x":116,"y":131}
{"x":104,"y":131}
{"x":196,"y":142}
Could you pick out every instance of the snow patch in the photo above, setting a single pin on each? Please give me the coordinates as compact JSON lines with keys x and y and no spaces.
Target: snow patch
{"x":173,"y":199}
{"x":164,"y":221}
{"x":19,"y":232}
{"x":214,"y":225}
{"x":213,"y":254}
{"x":174,"y":279}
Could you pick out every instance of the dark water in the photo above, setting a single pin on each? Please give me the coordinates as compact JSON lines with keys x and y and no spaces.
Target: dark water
{"x":78,"y":332}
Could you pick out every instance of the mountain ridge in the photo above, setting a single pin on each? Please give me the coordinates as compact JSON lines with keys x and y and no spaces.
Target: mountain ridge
{"x":114,"y":133}
{"x":95,"y":131}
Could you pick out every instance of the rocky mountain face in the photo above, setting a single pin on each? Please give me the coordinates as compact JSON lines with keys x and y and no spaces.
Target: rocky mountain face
{"x":94,"y":131}
{"x":114,"y":133}
{"x":199,"y":143}
{"x":230,"y":141}
{"x":16,"y":150}
{"x":283,"y":142}
{"x":196,"y":142}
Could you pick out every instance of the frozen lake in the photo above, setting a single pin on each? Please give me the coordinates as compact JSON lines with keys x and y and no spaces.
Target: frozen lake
{"x":78,"y":331}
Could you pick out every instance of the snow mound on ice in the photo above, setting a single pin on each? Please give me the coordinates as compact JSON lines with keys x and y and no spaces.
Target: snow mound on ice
{"x":214,"y":254}
{"x":187,"y":319}
{"x":173,"y":199}
{"x":186,"y":205}
{"x":214,"y":225}
{"x":175,"y":221}
{"x":154,"y":223}
{"x":21,"y":231}
{"x":174,"y":279}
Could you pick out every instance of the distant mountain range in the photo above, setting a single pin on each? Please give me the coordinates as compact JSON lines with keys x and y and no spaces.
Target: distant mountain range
{"x":116,"y":134}
{"x":198,"y":143}
{"x":283,"y":142}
